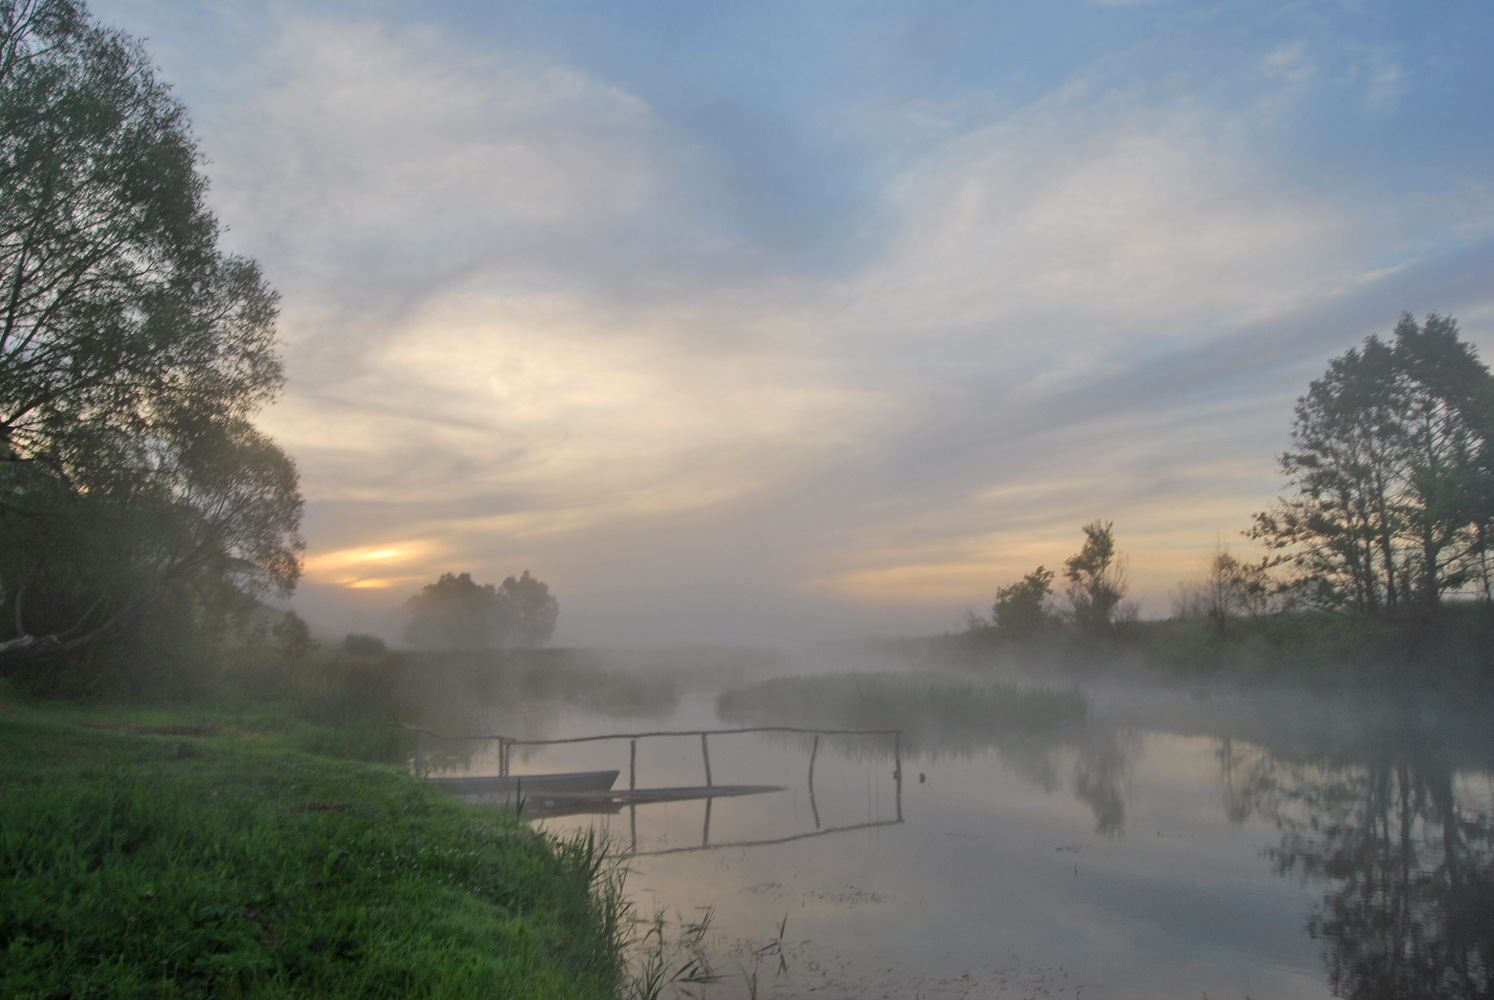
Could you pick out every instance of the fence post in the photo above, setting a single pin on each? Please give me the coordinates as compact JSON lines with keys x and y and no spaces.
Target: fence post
{"x":897,"y":770}
{"x":632,"y":764}
{"x":815,"y":752}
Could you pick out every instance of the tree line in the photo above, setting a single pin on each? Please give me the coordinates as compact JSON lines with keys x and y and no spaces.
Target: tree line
{"x":1390,"y":509}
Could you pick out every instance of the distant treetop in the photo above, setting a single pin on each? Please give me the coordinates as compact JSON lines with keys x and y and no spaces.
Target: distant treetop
{"x":455,"y":612}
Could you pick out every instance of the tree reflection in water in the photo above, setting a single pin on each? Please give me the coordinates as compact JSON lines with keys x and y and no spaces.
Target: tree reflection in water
{"x":1407,"y":859}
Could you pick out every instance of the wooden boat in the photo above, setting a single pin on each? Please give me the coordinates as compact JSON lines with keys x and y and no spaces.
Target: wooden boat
{"x":579,"y":792}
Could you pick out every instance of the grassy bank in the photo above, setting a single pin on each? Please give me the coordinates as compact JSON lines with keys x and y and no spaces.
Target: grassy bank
{"x":194,"y":857}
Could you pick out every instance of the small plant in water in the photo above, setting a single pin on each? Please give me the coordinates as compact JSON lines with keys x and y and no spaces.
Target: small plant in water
{"x":676,"y":962}
{"x":773,"y":947}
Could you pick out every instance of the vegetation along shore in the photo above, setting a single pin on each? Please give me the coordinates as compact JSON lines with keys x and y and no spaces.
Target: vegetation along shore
{"x":174,"y":853}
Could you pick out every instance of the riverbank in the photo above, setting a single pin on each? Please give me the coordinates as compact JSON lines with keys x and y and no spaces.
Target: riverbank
{"x":1453,"y":653}
{"x":172,"y":853}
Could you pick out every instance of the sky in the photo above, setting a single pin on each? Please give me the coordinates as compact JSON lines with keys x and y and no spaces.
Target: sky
{"x":794,"y":321}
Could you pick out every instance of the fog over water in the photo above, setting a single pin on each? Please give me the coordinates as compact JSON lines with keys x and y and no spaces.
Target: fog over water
{"x":1107,"y":840}
{"x":786,"y":322}
{"x":807,"y":446}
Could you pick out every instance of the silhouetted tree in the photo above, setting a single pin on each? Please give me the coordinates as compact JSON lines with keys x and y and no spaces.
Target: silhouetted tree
{"x":1394,"y":474}
{"x":1097,"y":580}
{"x":362,"y":645}
{"x":531,"y":609}
{"x":1021,"y":609}
{"x":455,"y":612}
{"x":292,"y":636}
{"x":1231,"y":589}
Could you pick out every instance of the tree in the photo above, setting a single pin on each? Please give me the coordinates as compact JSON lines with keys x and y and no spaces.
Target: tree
{"x":133,"y":353}
{"x":1445,"y":456}
{"x":201,"y":513}
{"x":455,"y":612}
{"x":363,"y":645}
{"x":1394,"y":475}
{"x":1021,"y":609}
{"x":531,"y":609}
{"x":1230,"y":589}
{"x":1097,"y":580}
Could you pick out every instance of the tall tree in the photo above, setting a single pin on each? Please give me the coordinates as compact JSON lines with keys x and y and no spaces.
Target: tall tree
{"x":1097,"y":580}
{"x":133,"y":353}
{"x":1392,"y":467}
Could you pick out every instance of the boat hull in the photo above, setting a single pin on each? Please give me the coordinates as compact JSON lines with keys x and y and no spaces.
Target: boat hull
{"x":529,"y":784}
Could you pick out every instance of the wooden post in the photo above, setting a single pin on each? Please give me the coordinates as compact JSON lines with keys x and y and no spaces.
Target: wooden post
{"x":632,"y":765}
{"x":503,"y":757}
{"x":813,"y":753}
{"x":897,"y":770}
{"x":705,"y":753}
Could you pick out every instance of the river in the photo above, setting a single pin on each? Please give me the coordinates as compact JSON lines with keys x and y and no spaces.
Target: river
{"x":1170,"y":844}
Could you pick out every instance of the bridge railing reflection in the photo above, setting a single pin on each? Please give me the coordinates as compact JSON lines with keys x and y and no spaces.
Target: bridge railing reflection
{"x":610,"y":801}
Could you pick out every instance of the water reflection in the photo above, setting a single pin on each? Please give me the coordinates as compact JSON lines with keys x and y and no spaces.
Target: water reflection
{"x":1396,"y":828}
{"x":1124,"y":846}
{"x":1408,"y":865}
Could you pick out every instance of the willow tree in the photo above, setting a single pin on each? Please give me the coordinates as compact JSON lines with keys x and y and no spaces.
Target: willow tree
{"x":1392,"y":461}
{"x":133,"y":352}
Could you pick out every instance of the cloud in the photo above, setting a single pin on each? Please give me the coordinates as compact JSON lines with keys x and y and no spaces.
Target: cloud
{"x":377,"y":166}
{"x":533,"y":321}
{"x":1099,"y":308}
{"x":1092,"y":222}
{"x":571,"y":405}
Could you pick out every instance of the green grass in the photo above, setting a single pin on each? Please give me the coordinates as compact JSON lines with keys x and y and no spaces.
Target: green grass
{"x":239,"y":865}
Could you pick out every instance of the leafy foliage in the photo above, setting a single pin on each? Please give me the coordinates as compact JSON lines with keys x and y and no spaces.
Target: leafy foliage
{"x":1021,"y":609}
{"x":358,"y":644}
{"x":1393,"y":466}
{"x":457,"y":613}
{"x":133,"y":354}
{"x":1097,"y":580}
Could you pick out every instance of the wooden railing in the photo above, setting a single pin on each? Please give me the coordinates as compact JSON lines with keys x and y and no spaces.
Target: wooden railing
{"x":507,"y":743}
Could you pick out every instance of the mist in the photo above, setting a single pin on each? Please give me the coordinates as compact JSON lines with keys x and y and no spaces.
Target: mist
{"x":895,"y":499}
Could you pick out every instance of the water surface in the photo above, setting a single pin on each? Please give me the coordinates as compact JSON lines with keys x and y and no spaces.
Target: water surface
{"x":1158,"y":850}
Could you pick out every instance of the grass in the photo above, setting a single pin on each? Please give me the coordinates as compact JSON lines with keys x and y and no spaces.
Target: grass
{"x":200,"y":858}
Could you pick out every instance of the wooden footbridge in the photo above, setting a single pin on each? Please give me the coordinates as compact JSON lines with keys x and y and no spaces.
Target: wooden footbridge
{"x":573,"y":792}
